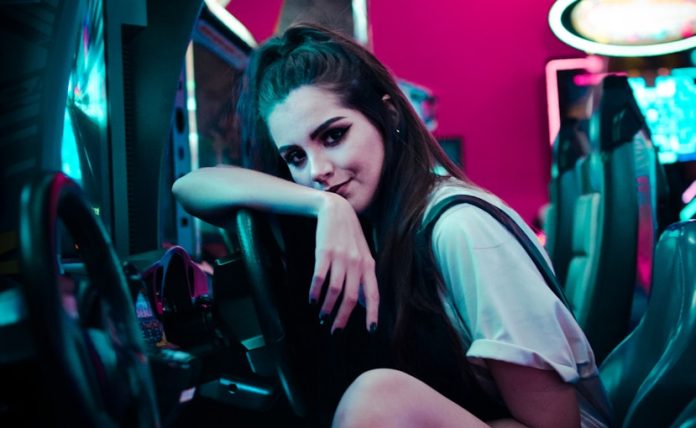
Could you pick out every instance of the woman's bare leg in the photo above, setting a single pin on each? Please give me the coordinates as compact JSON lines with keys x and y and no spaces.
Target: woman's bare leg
{"x":391,"y":398}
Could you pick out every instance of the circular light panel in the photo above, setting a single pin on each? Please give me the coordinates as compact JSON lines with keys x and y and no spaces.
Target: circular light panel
{"x":625,"y":28}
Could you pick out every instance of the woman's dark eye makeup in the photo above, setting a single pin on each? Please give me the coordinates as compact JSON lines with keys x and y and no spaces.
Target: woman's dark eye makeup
{"x":295,"y":156}
{"x":334,"y":135}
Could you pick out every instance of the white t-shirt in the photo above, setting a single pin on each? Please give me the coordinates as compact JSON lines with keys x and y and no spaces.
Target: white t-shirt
{"x":505,"y":309}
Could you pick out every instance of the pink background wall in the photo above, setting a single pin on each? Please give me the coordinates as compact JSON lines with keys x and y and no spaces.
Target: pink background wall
{"x":484,"y":60}
{"x":261,"y":17}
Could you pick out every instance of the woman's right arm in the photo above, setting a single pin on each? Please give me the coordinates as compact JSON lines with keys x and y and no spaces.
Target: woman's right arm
{"x":212,"y":193}
{"x":342,"y":254}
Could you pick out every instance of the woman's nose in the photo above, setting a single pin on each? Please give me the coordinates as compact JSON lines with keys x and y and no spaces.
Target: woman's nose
{"x":321,"y":169}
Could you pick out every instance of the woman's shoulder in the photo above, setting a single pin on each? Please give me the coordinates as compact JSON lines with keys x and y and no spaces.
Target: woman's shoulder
{"x":451,"y":186}
{"x":469,"y":221}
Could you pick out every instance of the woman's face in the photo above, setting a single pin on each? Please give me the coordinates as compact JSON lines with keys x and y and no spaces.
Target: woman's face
{"x":328,"y":146}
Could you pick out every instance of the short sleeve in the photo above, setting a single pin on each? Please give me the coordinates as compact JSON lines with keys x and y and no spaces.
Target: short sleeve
{"x":508,"y":310}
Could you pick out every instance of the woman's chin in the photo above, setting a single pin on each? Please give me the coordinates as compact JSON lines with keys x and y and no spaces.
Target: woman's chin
{"x":365,"y":210}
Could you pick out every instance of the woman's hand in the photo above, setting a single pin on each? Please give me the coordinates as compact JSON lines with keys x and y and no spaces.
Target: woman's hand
{"x":342,"y":252}
{"x":343,"y":257}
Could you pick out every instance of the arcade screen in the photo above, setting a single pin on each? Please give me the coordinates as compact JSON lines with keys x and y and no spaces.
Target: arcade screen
{"x":669,"y":108}
{"x":218,"y":65}
{"x":84,"y":147}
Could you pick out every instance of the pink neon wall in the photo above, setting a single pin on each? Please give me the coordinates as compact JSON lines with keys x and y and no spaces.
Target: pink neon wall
{"x":261,"y":17}
{"x":484,"y":60}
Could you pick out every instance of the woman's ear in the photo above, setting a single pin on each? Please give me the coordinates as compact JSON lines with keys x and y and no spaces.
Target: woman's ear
{"x":387,"y":100}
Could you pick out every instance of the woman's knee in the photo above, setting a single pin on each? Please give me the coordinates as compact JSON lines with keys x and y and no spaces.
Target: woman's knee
{"x":374,"y":399}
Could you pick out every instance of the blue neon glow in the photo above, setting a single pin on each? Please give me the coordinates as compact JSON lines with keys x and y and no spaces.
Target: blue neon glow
{"x":84,"y":146}
{"x":688,"y":211}
{"x":70,"y":162}
{"x":669,"y":109}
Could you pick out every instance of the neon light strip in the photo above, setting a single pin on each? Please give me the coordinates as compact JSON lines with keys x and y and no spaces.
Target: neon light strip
{"x":688,"y":211}
{"x":689,"y":193}
{"x":591,"y":63}
{"x":231,"y":22}
{"x":594,"y":79}
{"x":191,"y":108}
{"x":556,"y":12}
{"x":361,"y":26}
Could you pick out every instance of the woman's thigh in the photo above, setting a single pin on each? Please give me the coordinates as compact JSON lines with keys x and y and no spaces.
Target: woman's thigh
{"x":391,"y":398}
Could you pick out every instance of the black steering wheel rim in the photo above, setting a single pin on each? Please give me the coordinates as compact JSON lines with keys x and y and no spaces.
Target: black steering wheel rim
{"x":76,"y":391}
{"x":262,"y":261}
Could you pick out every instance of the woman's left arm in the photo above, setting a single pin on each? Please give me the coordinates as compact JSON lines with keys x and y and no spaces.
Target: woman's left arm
{"x":536,"y":398}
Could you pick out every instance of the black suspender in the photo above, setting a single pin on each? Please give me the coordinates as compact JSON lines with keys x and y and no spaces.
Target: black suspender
{"x":504,"y":219}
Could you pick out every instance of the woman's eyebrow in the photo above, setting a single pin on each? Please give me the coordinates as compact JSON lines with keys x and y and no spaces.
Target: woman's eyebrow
{"x":323,"y":126}
{"x":314,"y":134}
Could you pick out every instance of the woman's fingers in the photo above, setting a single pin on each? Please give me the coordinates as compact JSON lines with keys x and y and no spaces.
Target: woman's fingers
{"x":371,"y":292}
{"x":335,"y":287}
{"x":343,"y":256}
{"x":321,"y":269}
{"x":350,"y":298}
{"x":348,"y":284}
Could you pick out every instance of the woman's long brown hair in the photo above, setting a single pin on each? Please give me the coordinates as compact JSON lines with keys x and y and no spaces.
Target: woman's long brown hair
{"x":312,"y":55}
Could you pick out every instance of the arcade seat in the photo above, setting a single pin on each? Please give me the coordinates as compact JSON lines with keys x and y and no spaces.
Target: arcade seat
{"x":570,"y":146}
{"x":649,"y":376}
{"x":614,"y":221}
{"x":584,"y":238}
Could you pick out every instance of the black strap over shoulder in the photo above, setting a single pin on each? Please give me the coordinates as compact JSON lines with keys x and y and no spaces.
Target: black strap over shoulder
{"x":510,"y":224}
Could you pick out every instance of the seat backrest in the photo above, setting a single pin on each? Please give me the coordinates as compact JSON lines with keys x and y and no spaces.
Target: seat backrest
{"x":585,"y":238}
{"x":629,"y":364}
{"x":614,"y":217}
{"x":671,"y":384}
{"x":570,"y":146}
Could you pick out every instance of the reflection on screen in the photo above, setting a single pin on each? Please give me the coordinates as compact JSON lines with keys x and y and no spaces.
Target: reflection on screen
{"x":84,"y":143}
{"x":216,"y":79}
{"x":70,"y":161}
{"x":669,"y":108}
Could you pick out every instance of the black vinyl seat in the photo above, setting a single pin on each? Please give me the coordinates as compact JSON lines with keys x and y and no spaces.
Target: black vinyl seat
{"x":614,"y":224}
{"x":570,"y":146}
{"x":650,"y":376}
{"x":585,"y":238}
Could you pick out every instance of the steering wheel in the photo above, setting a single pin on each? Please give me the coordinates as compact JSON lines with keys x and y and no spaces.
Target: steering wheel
{"x":262,"y":259}
{"x":96,"y":368}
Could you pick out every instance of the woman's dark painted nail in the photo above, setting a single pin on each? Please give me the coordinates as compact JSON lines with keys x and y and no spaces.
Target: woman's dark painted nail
{"x":373,"y":327}
{"x":322,"y":318}
{"x":337,"y":331}
{"x":312,"y":301}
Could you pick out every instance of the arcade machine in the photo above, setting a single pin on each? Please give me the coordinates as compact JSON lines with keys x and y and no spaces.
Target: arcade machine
{"x":570,"y":143}
{"x":90,"y":107}
{"x":668,"y":102}
{"x":204,"y":132}
{"x":237,"y":349}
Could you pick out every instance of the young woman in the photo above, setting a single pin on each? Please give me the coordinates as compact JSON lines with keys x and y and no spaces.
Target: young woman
{"x":471,"y":333}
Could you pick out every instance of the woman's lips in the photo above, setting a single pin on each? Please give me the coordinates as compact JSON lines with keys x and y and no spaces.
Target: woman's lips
{"x":339,"y":189}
